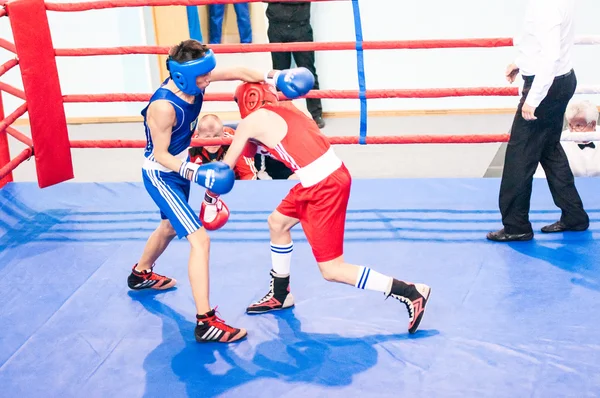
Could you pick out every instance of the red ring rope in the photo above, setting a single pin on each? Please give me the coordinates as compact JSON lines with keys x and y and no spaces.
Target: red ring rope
{"x":5,"y":44}
{"x":12,"y":90}
{"x":98,"y":5}
{"x":298,"y":46}
{"x":343,"y":140}
{"x":248,"y":48}
{"x":8,"y":65}
{"x":20,"y":111}
{"x":19,"y":136}
{"x":337,"y":94}
{"x":20,"y":158}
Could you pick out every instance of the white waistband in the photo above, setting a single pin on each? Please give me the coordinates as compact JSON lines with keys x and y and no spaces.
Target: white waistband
{"x":320,"y":169}
{"x":153,"y":165}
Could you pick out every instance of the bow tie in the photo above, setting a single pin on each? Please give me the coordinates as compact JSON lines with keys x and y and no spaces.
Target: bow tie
{"x":588,"y":145}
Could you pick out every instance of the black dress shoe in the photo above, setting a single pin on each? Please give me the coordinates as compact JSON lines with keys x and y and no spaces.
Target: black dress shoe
{"x":320,"y":122}
{"x":560,"y":227}
{"x":501,"y":236}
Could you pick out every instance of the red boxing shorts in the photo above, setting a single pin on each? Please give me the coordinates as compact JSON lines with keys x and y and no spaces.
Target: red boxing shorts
{"x":321,"y":210}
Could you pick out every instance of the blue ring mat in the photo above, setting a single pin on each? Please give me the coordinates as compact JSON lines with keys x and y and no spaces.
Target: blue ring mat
{"x":504,"y":320}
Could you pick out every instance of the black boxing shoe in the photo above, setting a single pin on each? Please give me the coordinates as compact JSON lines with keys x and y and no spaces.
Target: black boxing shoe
{"x":149,"y":279}
{"x":210,"y":328}
{"x":277,"y":298}
{"x":414,"y":297}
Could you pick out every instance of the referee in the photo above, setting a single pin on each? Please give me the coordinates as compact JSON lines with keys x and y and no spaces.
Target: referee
{"x":545,"y":62}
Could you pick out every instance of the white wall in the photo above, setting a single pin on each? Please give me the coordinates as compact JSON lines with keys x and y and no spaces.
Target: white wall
{"x":94,"y":75}
{"x":381,"y":20}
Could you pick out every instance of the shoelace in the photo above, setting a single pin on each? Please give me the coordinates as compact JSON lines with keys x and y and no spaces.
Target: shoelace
{"x":270,"y":294}
{"x":221,"y":323}
{"x":153,"y":275}
{"x":407,"y":303}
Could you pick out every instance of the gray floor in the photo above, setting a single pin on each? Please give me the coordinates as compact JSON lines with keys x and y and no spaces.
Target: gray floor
{"x":364,"y":161}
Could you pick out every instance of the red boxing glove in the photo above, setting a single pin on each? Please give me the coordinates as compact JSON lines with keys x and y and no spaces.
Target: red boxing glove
{"x":250,"y":149}
{"x":214,"y":213}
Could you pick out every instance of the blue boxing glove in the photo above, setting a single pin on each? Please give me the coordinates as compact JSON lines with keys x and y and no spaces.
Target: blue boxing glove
{"x":216,"y":176}
{"x":293,"y":83}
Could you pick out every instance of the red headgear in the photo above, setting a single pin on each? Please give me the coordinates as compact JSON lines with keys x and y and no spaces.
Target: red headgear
{"x":252,"y":96}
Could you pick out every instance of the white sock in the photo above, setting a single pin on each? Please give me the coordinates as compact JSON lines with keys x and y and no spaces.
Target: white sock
{"x":372,"y":280}
{"x":281,"y":257}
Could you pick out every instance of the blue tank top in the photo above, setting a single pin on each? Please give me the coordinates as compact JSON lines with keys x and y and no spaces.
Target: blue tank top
{"x":187,"y":118}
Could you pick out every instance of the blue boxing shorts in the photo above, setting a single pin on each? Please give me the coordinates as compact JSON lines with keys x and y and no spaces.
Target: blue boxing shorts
{"x":171,"y":193}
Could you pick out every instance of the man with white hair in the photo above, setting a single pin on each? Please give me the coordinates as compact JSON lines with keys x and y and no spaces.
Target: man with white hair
{"x":583,"y":154}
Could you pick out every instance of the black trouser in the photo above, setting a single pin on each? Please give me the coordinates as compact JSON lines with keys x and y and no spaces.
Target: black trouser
{"x":538,"y":141}
{"x":290,"y":33}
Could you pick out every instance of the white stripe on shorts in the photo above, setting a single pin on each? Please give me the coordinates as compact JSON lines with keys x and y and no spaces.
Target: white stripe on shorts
{"x":172,"y":200}
{"x":192,"y":218}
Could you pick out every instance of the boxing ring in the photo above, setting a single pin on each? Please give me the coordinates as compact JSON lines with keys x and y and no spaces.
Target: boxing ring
{"x":505,"y":319}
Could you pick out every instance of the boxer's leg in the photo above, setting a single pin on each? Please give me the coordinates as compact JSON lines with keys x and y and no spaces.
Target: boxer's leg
{"x":209,"y":327}
{"x":281,"y":221}
{"x":413,"y":296}
{"x":171,"y":193}
{"x":282,"y":245}
{"x":323,"y":222}
{"x":198,"y":269}
{"x":156,"y":244}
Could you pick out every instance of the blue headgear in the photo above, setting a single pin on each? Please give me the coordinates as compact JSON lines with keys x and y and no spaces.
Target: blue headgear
{"x":184,"y":75}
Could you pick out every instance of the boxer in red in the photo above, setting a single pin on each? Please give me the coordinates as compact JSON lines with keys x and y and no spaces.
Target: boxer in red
{"x":318,"y":202}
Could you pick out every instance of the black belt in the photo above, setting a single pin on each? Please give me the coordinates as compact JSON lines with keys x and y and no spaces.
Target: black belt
{"x":530,"y":78}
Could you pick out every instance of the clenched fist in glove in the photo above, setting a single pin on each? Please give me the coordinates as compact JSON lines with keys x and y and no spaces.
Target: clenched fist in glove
{"x":216,"y":176}
{"x":214,"y":213}
{"x":293,"y":83}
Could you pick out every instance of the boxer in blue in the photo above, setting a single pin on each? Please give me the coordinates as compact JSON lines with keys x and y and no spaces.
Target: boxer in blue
{"x":170,"y":120}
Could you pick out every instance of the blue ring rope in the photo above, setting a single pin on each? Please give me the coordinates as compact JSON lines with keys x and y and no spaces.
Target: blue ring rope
{"x":362,"y":86}
{"x":194,"y":23}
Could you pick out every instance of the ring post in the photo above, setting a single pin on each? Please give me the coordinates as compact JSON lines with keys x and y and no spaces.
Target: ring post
{"x":47,"y":119}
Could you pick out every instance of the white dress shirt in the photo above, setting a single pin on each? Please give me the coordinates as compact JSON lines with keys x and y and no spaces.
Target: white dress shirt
{"x":583,"y":162}
{"x":545,"y":45}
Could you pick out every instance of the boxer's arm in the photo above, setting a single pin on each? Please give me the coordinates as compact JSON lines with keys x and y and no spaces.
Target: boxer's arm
{"x":161,"y":118}
{"x":238,"y":73}
{"x":243,"y":133}
{"x":244,"y":167}
{"x":255,"y":126}
{"x":261,"y":127}
{"x":216,"y":176}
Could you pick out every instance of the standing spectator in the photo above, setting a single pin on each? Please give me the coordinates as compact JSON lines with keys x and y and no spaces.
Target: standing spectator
{"x":216,"y":13}
{"x":289,"y":22}
{"x":545,"y":61}
{"x":583,"y":156}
